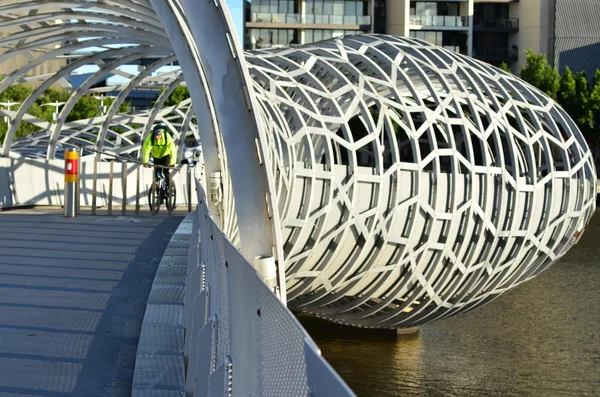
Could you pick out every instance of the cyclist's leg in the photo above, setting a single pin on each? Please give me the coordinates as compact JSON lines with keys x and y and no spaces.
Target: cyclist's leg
{"x":156,"y":170}
{"x":159,"y":170}
{"x":166,"y":171}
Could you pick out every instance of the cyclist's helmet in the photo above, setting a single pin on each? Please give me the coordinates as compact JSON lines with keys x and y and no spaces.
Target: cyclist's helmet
{"x":159,"y":129}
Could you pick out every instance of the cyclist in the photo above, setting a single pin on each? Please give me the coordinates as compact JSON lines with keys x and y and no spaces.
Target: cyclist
{"x":160,"y":144}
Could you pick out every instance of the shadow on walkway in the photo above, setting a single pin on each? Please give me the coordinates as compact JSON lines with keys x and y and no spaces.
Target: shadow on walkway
{"x":71,"y":312}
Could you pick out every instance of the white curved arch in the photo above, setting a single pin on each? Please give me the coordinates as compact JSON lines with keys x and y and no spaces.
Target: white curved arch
{"x":411,"y":183}
{"x":123,"y":96}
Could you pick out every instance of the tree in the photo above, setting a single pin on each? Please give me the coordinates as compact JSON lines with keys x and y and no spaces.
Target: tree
{"x":594,"y":103}
{"x":85,"y":108}
{"x":179,"y":94}
{"x":15,"y":93}
{"x":538,"y":72}
{"x":585,"y":119}
{"x":504,"y":66}
{"x":567,"y":94}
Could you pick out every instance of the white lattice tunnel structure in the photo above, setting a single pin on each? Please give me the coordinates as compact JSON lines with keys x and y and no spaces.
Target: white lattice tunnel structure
{"x":402,"y":182}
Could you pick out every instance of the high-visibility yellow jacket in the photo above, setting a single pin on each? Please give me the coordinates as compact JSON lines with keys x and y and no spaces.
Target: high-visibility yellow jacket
{"x":161,"y":148}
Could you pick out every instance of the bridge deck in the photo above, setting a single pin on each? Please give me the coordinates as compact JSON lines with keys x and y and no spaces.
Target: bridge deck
{"x":72,"y":300}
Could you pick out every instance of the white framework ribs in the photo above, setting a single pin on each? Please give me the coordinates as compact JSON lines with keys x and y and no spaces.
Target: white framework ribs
{"x":405,"y":183}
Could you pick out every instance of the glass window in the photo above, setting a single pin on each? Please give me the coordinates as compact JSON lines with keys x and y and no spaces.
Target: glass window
{"x":351,"y":8}
{"x":424,"y":8}
{"x":284,"y":7}
{"x":264,"y":6}
{"x":338,"y":7}
{"x":318,"y":7}
{"x":273,"y":6}
{"x":453,"y":9}
{"x":318,"y":36}
{"x":308,"y":36}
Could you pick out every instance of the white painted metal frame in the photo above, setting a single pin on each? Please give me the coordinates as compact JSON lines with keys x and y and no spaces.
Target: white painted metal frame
{"x":415,"y":183}
{"x":396,"y":182}
{"x":240,"y":340}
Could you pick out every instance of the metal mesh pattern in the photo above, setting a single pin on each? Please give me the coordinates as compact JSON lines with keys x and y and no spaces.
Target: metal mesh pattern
{"x":260,"y":335}
{"x":62,"y":37}
{"x":413,"y":182}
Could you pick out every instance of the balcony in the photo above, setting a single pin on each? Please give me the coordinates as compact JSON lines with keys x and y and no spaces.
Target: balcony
{"x":496,"y":24}
{"x":497,"y":54}
{"x":311,"y":19}
{"x":457,"y":49}
{"x":439,"y":21}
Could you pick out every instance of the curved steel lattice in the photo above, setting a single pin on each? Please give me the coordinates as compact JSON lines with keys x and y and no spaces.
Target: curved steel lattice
{"x":67,"y":35}
{"x":408,"y":183}
{"x":415,"y":183}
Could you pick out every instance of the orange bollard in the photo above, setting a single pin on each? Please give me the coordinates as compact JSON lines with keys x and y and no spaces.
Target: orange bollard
{"x":71,"y":180}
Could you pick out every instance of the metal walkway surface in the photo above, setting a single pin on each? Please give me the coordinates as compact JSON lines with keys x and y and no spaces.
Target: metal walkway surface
{"x":73,"y":294}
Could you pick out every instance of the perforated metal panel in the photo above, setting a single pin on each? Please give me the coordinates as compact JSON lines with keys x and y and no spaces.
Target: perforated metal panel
{"x":264,"y":342}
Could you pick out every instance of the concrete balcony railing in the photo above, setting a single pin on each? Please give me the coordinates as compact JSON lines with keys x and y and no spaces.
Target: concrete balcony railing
{"x":496,"y":24}
{"x":439,"y":21}
{"x":311,"y":19}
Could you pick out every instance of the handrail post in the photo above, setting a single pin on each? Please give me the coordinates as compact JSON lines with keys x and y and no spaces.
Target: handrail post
{"x":71,"y":181}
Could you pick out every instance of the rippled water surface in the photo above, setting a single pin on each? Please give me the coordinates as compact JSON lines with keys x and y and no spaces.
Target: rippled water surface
{"x":541,"y":339}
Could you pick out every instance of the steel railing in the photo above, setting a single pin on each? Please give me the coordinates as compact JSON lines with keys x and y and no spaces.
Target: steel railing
{"x":239,"y":338}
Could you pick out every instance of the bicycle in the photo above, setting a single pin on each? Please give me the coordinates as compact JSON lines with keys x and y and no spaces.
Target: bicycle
{"x":159,"y":193}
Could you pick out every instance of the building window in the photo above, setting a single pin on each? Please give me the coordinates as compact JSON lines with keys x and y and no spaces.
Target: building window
{"x":267,"y":38}
{"x":434,"y":8}
{"x":453,"y":41}
{"x":273,"y":7}
{"x":314,"y":35}
{"x":337,"y":7}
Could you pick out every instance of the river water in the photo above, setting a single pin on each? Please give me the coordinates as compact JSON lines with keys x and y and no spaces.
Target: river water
{"x":540,"y":339}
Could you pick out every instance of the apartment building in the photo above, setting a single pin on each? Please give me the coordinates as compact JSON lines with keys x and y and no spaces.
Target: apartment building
{"x":494,"y":31}
{"x":280,"y":23}
{"x":44,"y":69}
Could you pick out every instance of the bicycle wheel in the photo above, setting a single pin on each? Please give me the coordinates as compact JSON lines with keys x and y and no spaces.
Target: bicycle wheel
{"x":171,"y":197}
{"x":154,"y":198}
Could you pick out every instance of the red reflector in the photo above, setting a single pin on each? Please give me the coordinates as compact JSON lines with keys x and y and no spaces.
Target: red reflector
{"x":71,"y":167}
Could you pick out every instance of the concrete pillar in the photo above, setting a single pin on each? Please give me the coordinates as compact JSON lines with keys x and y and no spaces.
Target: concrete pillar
{"x":407,"y":331}
{"x":398,"y":15}
{"x":533,"y":27}
{"x":302,"y":12}
{"x":470,"y":12}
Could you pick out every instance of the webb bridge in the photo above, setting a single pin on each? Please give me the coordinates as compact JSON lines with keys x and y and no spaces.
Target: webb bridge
{"x":374,"y":181}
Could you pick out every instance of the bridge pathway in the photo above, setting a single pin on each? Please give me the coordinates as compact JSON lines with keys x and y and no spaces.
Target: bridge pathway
{"x":72,"y":299}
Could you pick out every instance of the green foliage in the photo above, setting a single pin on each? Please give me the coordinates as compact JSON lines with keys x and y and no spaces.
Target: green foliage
{"x":538,"y":72}
{"x":585,"y":119}
{"x":85,"y":108}
{"x":572,"y":91}
{"x":567,"y":94}
{"x":15,"y":93}
{"x":43,"y":107}
{"x":179,"y":94}
{"x":504,"y":66}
